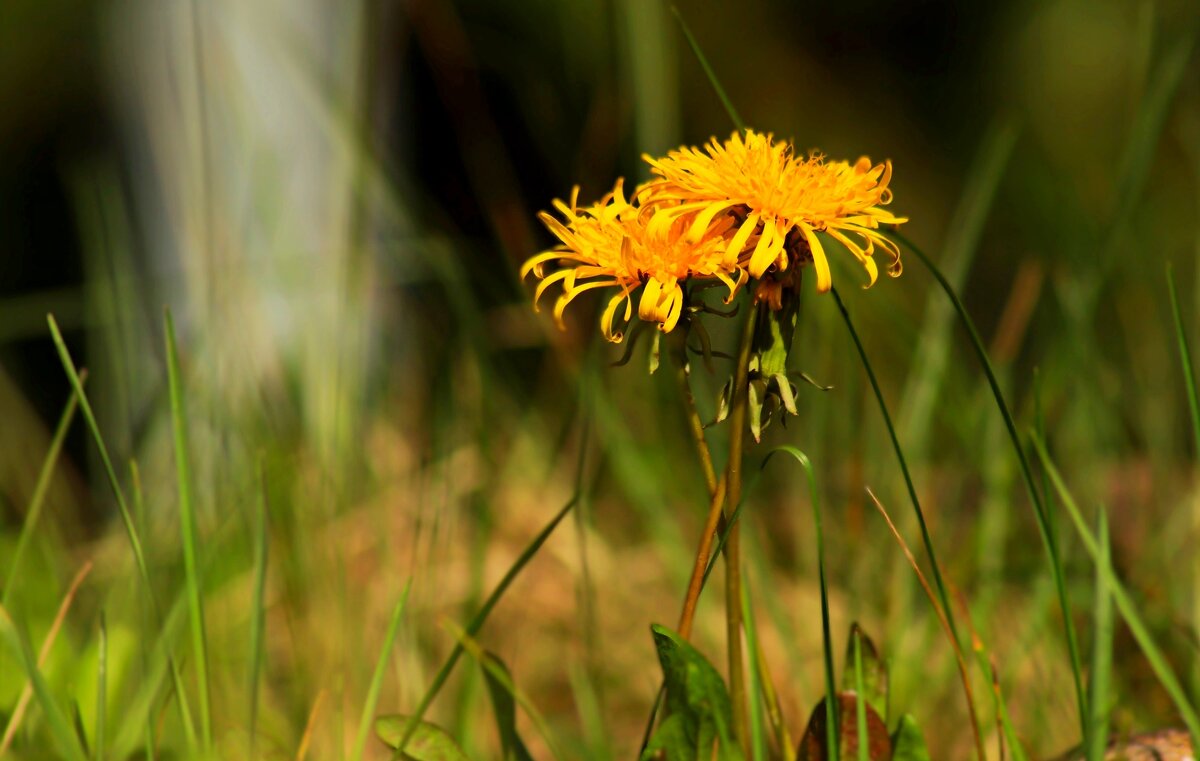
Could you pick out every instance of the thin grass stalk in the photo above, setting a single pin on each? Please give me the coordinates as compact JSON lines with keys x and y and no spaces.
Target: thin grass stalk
{"x":733,"y":559}
{"x":1185,"y":359}
{"x":309,"y":725}
{"x":258,"y":606}
{"x":758,"y":744}
{"x":860,"y":705}
{"x":833,"y":717}
{"x":40,"y":489}
{"x":708,"y":71}
{"x":944,"y":620}
{"x":939,"y":583}
{"x":1039,"y":510}
{"x":1124,"y":603}
{"x":101,"y":689}
{"x":385,"y":653}
{"x":473,"y":648}
{"x":1102,"y":649}
{"x":1039,"y":425}
{"x":695,"y":425}
{"x":774,"y":709}
{"x":18,"y":713}
{"x":188,"y":528}
{"x":131,"y":529}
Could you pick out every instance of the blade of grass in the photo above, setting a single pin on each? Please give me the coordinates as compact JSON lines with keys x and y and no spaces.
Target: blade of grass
{"x":832,"y":707}
{"x":764,"y":683}
{"x":708,"y":71}
{"x":1102,"y":649}
{"x":1129,"y":612}
{"x":131,"y":530}
{"x":385,"y":654}
{"x":597,"y":736}
{"x":14,"y":720}
{"x":188,"y":527}
{"x":38,"y":499}
{"x":758,"y":745}
{"x":1185,"y":359}
{"x":501,"y":676}
{"x":1039,"y":424}
{"x":138,"y":710}
{"x":1039,"y":510}
{"x":478,"y":620}
{"x":258,"y":605}
{"x":860,"y":704}
{"x":60,"y":726}
{"x":101,"y":689}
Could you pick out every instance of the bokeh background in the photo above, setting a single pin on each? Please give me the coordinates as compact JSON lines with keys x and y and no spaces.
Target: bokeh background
{"x":334,"y":200}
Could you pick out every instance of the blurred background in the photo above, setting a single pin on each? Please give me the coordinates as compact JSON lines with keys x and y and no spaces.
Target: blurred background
{"x":333,"y":200}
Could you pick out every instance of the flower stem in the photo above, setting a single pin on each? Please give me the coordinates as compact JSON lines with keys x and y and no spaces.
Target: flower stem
{"x":715,"y":490}
{"x":696,"y":583}
{"x":696,"y":426}
{"x":733,"y":495}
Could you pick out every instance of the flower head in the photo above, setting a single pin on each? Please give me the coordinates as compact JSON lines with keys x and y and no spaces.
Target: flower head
{"x":778,"y":202}
{"x":614,"y":244}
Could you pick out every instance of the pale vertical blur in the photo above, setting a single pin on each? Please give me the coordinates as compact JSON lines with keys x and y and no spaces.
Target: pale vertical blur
{"x":247,"y":190}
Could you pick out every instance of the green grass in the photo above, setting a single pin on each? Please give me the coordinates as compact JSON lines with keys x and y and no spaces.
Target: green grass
{"x":188,"y":527}
{"x":251,"y":491}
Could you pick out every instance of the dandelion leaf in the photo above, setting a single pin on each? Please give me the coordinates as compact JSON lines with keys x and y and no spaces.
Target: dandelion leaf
{"x":429,"y":742}
{"x":698,"y":710}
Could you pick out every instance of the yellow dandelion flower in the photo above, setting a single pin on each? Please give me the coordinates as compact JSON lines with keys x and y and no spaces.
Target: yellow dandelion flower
{"x":778,"y":201}
{"x":614,"y":244}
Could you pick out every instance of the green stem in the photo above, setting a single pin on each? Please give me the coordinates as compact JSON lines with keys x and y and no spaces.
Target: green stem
{"x":696,"y":425}
{"x":733,"y":496}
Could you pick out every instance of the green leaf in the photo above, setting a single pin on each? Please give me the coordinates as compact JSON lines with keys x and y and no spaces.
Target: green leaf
{"x":428,"y":742}
{"x":908,"y":744}
{"x":506,"y":710}
{"x":773,"y":339}
{"x":699,"y":711}
{"x":874,"y":672}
